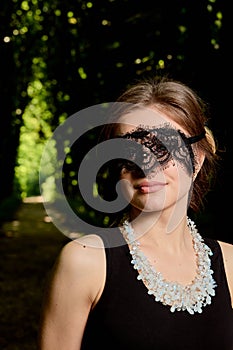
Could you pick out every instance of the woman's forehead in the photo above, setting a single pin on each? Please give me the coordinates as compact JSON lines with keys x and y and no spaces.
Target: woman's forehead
{"x":147,"y":118}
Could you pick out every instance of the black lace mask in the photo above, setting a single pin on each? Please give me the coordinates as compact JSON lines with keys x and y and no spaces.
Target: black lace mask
{"x":153,"y":148}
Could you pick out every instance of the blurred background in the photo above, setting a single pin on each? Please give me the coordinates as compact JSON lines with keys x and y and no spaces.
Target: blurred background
{"x":59,"y":57}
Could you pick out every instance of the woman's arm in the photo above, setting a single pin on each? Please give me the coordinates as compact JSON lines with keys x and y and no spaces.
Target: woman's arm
{"x":76,"y":285}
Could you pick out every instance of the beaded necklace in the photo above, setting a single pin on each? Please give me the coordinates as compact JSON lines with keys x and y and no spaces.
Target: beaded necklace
{"x":192,"y":297}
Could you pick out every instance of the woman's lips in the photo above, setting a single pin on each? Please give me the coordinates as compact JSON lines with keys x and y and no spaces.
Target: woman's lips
{"x":150,"y":187}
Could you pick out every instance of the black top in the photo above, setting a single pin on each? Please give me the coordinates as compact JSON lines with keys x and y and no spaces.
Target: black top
{"x":126,"y":317}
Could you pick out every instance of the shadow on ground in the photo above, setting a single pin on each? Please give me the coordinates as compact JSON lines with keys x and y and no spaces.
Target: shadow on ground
{"x":28,"y":249}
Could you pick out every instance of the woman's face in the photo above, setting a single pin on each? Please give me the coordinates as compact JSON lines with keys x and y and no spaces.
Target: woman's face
{"x":165,"y":178}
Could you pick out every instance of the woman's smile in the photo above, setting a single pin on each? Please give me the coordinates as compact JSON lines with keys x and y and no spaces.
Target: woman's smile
{"x":150,"y":186}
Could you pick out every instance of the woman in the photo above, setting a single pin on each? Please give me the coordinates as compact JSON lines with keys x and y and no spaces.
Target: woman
{"x":162,"y":285}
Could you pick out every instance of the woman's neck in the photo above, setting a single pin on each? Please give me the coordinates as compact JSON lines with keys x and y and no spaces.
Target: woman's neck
{"x":156,"y":229}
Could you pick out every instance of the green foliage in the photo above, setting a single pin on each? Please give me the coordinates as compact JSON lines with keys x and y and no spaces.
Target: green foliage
{"x":34,"y":133}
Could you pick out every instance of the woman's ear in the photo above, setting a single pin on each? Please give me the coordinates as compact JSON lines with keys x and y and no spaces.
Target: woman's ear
{"x":200,"y":157}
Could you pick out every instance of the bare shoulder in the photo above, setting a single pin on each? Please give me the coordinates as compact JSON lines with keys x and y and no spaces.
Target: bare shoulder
{"x":82,"y":263}
{"x":227,"y":251}
{"x":84,"y":250}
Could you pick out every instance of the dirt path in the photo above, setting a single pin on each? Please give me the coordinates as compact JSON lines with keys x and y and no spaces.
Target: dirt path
{"x":28,"y":249}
